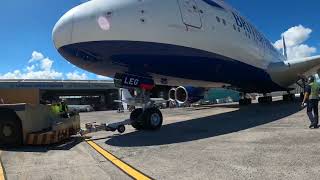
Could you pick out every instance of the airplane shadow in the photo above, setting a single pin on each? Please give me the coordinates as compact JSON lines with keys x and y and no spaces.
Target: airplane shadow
{"x":206,"y":127}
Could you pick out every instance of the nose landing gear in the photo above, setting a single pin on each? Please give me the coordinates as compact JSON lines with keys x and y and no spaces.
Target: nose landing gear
{"x":148,"y":117}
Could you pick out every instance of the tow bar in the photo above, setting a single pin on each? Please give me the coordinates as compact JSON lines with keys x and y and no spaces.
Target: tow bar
{"x":94,"y":127}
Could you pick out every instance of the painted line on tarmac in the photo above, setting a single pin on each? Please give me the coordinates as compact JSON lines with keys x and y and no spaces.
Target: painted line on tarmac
{"x":126,"y":168}
{"x":2,"y":172}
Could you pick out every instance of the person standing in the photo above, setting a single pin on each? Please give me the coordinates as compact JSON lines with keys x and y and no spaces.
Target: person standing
{"x":311,"y":97}
{"x":64,"y":107}
{"x":64,"y":110}
{"x":55,"y":109}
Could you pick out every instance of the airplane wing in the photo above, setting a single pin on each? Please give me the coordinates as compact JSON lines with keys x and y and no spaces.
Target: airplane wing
{"x":288,"y":72}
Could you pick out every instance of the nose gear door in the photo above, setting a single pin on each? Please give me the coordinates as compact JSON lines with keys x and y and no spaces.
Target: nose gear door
{"x":190,"y":13}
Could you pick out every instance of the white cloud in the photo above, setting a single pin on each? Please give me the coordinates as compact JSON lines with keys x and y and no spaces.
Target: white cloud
{"x":300,"y":51}
{"x":46,"y":64}
{"x":30,"y":68}
{"x":103,"y":77}
{"x":51,"y":74}
{"x":11,"y":75}
{"x":295,"y":37}
{"x":17,"y":74}
{"x":39,"y":67}
{"x":36,"y":56}
{"x":76,"y":76}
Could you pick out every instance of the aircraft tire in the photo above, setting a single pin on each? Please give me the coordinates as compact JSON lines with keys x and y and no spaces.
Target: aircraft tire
{"x":301,"y":96}
{"x":265,"y":100}
{"x":288,"y":97}
{"x":137,"y":119}
{"x":292,"y":97}
{"x":249,"y":101}
{"x":261,"y":100}
{"x":121,"y":129}
{"x":10,"y":129}
{"x":244,"y":102}
{"x":153,"y":118}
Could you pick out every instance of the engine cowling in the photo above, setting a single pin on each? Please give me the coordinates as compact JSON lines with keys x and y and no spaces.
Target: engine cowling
{"x":189,"y":94}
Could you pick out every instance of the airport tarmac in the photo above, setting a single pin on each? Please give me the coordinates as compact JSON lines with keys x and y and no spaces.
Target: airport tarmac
{"x":215,"y":142}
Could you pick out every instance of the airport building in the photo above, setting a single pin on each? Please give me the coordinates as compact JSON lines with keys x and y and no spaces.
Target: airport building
{"x":100,"y":94}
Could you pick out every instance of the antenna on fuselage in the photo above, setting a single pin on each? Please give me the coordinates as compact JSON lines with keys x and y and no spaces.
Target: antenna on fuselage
{"x":284,"y":48}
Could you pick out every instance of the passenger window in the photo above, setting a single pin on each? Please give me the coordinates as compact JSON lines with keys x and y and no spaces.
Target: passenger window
{"x":224,"y":22}
{"x":218,"y":19}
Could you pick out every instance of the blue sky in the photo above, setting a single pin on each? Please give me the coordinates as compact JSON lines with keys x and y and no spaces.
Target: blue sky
{"x":273,"y":17}
{"x":26,"y":27}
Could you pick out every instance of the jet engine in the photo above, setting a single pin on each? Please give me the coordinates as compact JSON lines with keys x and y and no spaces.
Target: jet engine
{"x":189,"y":94}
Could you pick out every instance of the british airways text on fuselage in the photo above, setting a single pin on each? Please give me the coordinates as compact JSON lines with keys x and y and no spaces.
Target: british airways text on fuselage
{"x":258,"y":37}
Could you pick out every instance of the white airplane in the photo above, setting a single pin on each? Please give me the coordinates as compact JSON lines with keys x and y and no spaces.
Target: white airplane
{"x":187,"y":43}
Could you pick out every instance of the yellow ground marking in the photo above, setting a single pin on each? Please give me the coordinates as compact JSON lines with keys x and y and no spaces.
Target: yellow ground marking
{"x":129,"y":170}
{"x":2,"y":177}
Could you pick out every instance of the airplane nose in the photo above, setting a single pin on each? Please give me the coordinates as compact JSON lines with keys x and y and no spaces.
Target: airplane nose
{"x":62,"y":31}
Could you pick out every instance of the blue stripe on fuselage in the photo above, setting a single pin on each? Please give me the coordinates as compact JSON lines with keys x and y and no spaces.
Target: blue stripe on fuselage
{"x":168,"y":60}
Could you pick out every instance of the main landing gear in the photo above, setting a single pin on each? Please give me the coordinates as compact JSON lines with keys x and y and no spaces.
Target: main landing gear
{"x":245,"y":100}
{"x":288,"y":97}
{"x":265,"y":99}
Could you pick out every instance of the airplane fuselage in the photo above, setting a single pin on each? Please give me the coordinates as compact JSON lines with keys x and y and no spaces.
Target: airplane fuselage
{"x":202,"y":43}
